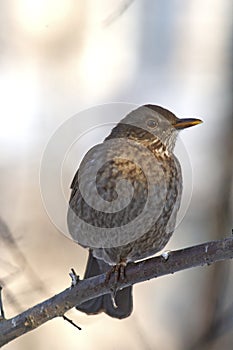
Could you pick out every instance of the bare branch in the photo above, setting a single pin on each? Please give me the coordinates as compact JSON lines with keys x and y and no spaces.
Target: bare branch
{"x":203,"y":254}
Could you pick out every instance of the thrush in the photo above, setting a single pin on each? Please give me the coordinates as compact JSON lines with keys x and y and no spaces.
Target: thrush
{"x":125,"y":198}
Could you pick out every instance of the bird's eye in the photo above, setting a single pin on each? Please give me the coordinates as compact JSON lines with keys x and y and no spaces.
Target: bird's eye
{"x":152,"y":123}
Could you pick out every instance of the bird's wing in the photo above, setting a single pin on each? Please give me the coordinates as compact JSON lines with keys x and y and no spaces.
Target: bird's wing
{"x":110,"y":192}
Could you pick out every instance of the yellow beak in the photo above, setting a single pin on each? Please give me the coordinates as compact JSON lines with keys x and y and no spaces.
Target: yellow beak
{"x":186,"y":123}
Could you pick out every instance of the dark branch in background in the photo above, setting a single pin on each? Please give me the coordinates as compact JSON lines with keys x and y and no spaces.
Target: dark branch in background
{"x":219,"y":327}
{"x":2,"y":315}
{"x":23,"y":264}
{"x":215,"y":320}
{"x":203,"y":254}
{"x":119,"y":12}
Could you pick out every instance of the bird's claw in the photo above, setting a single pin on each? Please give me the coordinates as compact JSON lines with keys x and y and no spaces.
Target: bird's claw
{"x":118,"y":271}
{"x":119,"y":275}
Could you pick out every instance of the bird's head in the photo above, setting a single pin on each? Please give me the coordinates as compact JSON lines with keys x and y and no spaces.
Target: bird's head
{"x":153,"y":126}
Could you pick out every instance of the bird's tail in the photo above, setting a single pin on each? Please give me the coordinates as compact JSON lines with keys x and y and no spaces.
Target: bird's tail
{"x":103,"y":303}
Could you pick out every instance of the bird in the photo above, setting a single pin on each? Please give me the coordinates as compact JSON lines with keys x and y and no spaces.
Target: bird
{"x":125,"y":197}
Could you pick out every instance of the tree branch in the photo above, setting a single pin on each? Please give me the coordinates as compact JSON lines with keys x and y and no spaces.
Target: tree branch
{"x":203,"y":254}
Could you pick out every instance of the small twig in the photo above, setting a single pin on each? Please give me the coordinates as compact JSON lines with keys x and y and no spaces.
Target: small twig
{"x":71,"y":322}
{"x":74,"y":277}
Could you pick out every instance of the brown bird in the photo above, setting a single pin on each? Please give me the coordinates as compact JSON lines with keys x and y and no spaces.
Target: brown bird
{"x":125,"y":198}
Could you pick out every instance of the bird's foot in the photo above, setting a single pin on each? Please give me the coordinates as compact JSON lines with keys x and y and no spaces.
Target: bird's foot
{"x":119,"y":272}
{"x":119,"y":275}
{"x":113,"y":299}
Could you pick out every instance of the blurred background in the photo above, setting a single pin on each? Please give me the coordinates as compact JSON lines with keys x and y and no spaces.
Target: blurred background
{"x":60,"y":57}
